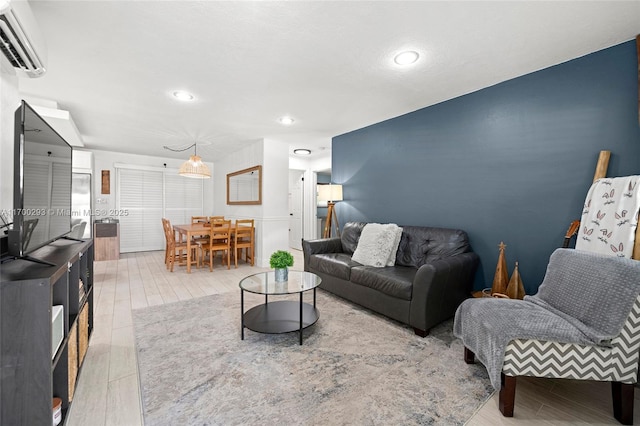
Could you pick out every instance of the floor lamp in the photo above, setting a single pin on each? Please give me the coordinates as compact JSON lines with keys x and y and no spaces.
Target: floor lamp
{"x":331,"y":194}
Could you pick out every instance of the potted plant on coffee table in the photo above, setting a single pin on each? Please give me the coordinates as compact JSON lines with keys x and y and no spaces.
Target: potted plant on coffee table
{"x":280,"y":260}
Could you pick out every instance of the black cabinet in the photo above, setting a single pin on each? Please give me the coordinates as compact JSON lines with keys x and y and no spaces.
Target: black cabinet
{"x":32,"y":370}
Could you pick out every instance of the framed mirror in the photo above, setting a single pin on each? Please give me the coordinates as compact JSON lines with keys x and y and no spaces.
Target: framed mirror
{"x":245,"y":186}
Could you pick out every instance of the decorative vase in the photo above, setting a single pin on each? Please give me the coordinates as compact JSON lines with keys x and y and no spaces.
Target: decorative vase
{"x":515,"y":289}
{"x":282,"y":274}
{"x":501,"y":277}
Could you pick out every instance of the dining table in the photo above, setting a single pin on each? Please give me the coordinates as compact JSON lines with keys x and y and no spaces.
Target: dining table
{"x":191,"y":230}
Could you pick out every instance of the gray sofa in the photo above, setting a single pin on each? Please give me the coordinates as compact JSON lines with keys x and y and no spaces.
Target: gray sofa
{"x":432,"y":275}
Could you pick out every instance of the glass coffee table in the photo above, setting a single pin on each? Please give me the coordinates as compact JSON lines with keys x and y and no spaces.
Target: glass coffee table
{"x":281,"y":316}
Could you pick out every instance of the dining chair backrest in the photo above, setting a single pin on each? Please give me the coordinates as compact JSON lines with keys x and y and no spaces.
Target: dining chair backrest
{"x":244,"y":230}
{"x":220,"y":229}
{"x":200,"y":220}
{"x":244,"y":239}
{"x":219,"y":240}
{"x":166,"y":241}
{"x":215,"y":218}
{"x":168,"y":231}
{"x":174,"y":249}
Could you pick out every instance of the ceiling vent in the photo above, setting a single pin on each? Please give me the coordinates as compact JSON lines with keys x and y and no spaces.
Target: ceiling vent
{"x":20,"y":39}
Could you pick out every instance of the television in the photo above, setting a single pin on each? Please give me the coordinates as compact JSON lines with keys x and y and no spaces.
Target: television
{"x":41,"y":184}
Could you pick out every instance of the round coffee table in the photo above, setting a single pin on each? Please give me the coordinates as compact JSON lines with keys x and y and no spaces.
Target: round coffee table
{"x":282,"y":316}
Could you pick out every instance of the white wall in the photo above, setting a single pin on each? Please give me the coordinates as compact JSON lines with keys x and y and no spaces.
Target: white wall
{"x":247,"y":157}
{"x":82,"y":161}
{"x":275,"y":199}
{"x":9,"y":101}
{"x":272,"y":216}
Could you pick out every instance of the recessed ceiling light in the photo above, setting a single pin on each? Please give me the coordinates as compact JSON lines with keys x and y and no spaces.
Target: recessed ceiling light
{"x":182,"y":95}
{"x":302,"y":151}
{"x":406,"y":58}
{"x":286,"y":120}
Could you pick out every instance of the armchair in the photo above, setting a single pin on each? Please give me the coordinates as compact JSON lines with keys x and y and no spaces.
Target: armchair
{"x":582,"y":324}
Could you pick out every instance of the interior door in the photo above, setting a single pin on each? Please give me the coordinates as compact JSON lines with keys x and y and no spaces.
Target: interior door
{"x":296,"y":197}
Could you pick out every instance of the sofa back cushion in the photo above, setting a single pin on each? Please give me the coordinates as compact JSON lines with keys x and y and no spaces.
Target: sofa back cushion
{"x":418,"y":245}
{"x":421,"y":244}
{"x":350,"y":236}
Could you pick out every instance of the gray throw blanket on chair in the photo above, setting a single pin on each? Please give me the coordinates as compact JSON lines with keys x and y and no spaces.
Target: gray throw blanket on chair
{"x":585,"y":298}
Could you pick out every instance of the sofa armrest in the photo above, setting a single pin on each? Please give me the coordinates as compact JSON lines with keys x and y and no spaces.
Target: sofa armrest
{"x":440,"y":287}
{"x":323,"y":245}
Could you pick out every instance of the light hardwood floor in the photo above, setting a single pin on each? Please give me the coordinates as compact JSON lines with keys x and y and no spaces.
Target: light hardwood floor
{"x":108,"y":389}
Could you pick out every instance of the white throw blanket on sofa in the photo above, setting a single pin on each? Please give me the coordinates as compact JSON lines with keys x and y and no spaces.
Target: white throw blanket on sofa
{"x":378,"y":245}
{"x":610,"y":216}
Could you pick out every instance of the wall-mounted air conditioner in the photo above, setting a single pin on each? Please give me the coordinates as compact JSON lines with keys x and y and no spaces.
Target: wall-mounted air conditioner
{"x":20,"y":38}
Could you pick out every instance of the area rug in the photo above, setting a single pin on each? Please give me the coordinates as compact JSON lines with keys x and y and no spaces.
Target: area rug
{"x":354,"y":368}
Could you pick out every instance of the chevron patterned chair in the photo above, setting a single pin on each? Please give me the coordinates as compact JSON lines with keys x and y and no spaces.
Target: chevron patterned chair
{"x":589,"y":299}
{"x":617,"y":363}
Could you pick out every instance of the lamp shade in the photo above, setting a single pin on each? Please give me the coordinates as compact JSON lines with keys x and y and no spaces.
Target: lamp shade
{"x":330,"y":193}
{"x":194,"y":168}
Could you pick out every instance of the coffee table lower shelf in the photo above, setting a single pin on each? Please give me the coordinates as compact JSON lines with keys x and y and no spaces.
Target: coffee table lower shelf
{"x":282,"y":316}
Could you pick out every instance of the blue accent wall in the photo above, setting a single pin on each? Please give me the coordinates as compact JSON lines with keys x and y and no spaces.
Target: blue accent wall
{"x":512,"y":162}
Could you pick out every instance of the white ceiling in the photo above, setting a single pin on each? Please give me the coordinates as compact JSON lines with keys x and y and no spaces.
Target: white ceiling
{"x":113,"y":65}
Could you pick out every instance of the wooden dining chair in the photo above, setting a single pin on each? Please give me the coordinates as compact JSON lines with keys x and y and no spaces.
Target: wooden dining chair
{"x":203,"y":240}
{"x":166,"y":242}
{"x":219,"y":240}
{"x":177,"y":251}
{"x":243,"y":239}
{"x":199,"y":219}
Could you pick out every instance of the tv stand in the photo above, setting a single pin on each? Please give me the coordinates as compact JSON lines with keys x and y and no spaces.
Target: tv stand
{"x":38,"y":361}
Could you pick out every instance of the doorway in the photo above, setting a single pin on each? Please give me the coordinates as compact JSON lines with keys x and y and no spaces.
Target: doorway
{"x":296,"y":208}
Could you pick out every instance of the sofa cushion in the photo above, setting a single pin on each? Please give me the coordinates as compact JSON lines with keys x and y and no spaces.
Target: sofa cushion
{"x":377,"y":242}
{"x":396,"y":281}
{"x":350,"y":236}
{"x":335,"y":264}
{"x":420,"y":245}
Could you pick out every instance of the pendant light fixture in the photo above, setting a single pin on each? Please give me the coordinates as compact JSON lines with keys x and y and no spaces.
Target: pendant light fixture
{"x":193,"y":167}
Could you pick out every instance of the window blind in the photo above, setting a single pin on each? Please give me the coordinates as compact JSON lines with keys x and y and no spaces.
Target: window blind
{"x":38,"y":198}
{"x":60,"y":198}
{"x":145,"y":197}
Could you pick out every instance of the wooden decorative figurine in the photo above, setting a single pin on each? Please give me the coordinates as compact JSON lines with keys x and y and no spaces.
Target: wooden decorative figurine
{"x":515,"y":289}
{"x":501,"y":278}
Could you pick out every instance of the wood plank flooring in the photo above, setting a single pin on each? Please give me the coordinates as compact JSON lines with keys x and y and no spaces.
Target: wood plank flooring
{"x":108,"y":389}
